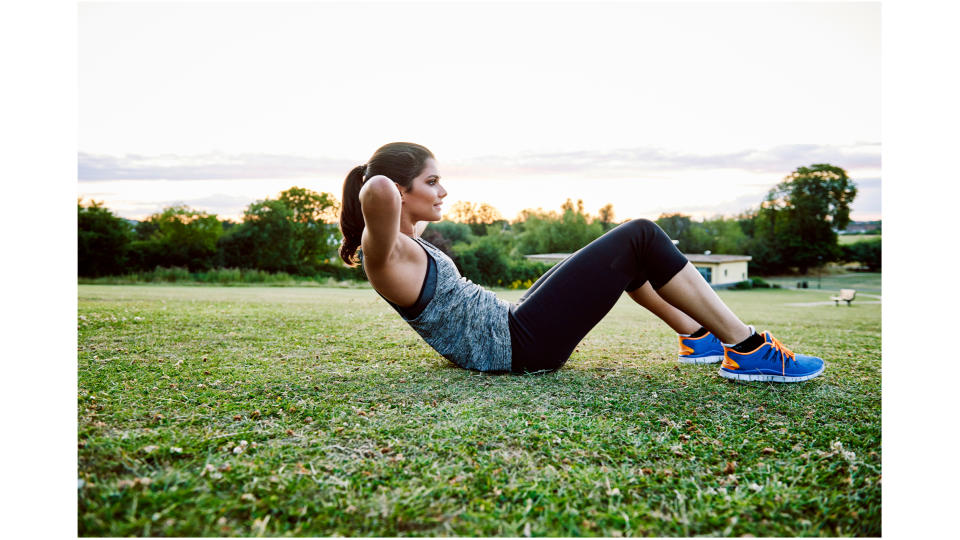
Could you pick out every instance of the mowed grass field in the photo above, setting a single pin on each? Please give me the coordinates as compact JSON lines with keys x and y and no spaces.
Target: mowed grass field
{"x":867,"y":284}
{"x":206,"y":411}
{"x":854,"y":238}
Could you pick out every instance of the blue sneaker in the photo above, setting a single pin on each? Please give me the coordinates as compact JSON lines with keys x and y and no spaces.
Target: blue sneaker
{"x":705,"y":349}
{"x":769,"y":362}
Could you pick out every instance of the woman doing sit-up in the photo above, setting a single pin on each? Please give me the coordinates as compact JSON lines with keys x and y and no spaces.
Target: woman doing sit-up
{"x":387,"y":203}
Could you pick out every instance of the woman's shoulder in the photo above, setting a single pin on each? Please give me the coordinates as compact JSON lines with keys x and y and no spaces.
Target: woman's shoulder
{"x":399,"y":279}
{"x":401,"y":248}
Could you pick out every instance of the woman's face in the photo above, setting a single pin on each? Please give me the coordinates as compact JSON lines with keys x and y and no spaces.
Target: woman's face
{"x":422,"y":202}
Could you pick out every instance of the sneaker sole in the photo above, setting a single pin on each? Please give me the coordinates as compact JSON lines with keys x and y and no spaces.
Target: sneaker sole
{"x":753,"y":377}
{"x":700,"y":360}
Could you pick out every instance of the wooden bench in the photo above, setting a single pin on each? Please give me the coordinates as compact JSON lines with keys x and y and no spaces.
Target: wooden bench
{"x":847,"y":295}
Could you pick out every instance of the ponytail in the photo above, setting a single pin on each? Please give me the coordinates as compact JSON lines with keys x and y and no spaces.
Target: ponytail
{"x":351,"y":215}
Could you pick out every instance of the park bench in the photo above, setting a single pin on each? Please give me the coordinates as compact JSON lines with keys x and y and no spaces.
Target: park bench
{"x":846,"y":295}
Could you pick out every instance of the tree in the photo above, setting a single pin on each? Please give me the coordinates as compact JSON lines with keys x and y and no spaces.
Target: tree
{"x":268,"y":239}
{"x":103,"y":241}
{"x":867,"y":252}
{"x":490,"y":260}
{"x":444,"y":234}
{"x":606,"y":217}
{"x":798,"y":220}
{"x":316,"y":215}
{"x":725,"y":235}
{"x":550,"y":232}
{"x":691,"y":236}
{"x":767,"y":223}
{"x":476,"y":215}
{"x":178,"y":236}
{"x":717,"y":235}
{"x":484,"y":261}
{"x":675,"y":225}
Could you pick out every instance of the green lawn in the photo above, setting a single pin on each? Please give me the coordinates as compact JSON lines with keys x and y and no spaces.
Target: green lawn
{"x":206,"y":411}
{"x":828,"y":284}
{"x":845,"y":239}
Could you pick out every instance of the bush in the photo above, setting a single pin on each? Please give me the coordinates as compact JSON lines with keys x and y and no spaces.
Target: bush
{"x":177,"y":237}
{"x":162,"y":274}
{"x":866,"y":252}
{"x":268,"y":239}
{"x":226,"y":276}
{"x":241,"y":275}
{"x":482,"y":262}
{"x":485,"y":262}
{"x":526,"y":271}
{"x":753,"y":283}
{"x":221,"y":275}
{"x":340,"y":272}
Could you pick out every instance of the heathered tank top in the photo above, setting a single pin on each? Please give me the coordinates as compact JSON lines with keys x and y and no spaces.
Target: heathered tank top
{"x":464,"y":322}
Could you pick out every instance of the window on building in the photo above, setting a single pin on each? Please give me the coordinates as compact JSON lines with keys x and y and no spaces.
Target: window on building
{"x":706,"y":272}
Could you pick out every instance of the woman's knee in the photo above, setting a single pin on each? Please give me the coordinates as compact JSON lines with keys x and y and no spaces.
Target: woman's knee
{"x":642,"y":228}
{"x":643,"y":225}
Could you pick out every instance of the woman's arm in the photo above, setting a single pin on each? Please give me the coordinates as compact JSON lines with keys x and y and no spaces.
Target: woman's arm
{"x":380,"y":203}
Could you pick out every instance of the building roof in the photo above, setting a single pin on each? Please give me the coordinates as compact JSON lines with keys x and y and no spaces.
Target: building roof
{"x":701,"y":258}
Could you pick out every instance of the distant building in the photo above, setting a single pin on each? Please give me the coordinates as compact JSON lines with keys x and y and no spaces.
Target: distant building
{"x":719,"y":270}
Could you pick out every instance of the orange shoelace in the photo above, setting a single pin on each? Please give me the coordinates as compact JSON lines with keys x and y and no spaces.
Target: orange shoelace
{"x":784,"y":353}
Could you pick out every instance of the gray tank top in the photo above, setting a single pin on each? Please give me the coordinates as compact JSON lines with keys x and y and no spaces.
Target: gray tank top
{"x":464,"y":322}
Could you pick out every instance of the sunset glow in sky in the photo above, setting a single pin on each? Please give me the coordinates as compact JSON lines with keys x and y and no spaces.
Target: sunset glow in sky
{"x":694,"y":108}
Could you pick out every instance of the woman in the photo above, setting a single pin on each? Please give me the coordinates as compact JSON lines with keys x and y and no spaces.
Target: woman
{"x":387,"y":203}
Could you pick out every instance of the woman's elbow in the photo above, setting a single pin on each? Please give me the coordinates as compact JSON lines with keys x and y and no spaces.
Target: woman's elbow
{"x":378,"y":188}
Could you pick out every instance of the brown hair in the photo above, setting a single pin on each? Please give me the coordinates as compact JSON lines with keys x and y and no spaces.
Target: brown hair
{"x":398,"y":161}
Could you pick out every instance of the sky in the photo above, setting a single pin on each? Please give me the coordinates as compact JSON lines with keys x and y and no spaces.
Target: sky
{"x":697,"y":108}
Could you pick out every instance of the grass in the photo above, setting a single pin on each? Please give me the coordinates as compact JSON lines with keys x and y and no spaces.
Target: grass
{"x":207,"y":411}
{"x":231,"y":277}
{"x":845,"y":239}
{"x":862,"y":282}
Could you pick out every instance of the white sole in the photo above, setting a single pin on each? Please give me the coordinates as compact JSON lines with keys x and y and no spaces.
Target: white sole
{"x":700,"y":360}
{"x":754,"y":377}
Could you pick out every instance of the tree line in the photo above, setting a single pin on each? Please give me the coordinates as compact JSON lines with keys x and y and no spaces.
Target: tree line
{"x":295,"y":233}
{"x":794,"y":227}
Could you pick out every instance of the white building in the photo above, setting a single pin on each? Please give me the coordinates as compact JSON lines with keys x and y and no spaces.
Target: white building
{"x":721,"y":270}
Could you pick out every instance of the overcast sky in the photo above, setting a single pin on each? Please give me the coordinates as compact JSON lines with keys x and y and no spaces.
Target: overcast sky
{"x":691,"y":107}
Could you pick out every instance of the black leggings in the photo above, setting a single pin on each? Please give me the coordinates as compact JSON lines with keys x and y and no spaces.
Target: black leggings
{"x":555,"y":314}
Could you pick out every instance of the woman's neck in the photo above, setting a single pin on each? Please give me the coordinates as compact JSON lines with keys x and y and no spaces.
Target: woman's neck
{"x":407,"y":228}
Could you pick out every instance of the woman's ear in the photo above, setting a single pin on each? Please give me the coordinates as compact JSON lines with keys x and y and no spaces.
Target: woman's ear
{"x":400,"y":189}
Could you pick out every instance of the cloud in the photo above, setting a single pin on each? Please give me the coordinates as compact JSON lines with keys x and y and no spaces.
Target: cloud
{"x":866,"y":205}
{"x":867,"y":183}
{"x":731,"y":207}
{"x":619,"y":163}
{"x":212,"y":166}
{"x":645,"y":161}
